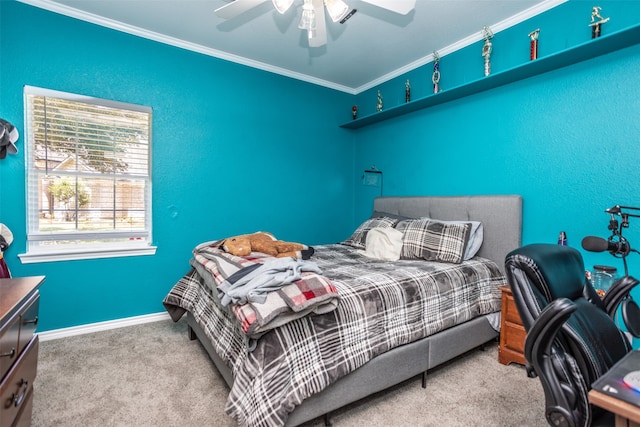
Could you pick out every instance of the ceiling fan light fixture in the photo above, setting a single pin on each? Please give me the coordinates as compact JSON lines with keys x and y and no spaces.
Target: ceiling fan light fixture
{"x":308,"y":19}
{"x":337,"y":9}
{"x":282,"y":5}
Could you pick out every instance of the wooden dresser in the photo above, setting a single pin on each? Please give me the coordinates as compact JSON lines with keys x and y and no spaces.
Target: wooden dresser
{"x":512,"y":333}
{"x":19,"y":301}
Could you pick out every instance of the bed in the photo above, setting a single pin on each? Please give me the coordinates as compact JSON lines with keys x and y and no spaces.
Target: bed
{"x":307,"y":366}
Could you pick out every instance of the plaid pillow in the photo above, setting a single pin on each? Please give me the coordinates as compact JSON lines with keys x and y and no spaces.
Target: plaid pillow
{"x":359,"y":237}
{"x":433,"y":240}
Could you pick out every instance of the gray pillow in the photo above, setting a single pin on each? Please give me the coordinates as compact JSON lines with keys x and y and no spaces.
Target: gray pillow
{"x":434,"y":240}
{"x":359,"y":237}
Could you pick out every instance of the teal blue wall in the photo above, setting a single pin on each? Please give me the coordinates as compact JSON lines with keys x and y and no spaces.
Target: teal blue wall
{"x":567,"y":141}
{"x":235,"y":150}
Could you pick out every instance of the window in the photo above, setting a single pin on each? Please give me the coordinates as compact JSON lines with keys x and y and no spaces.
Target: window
{"x":88,"y":177}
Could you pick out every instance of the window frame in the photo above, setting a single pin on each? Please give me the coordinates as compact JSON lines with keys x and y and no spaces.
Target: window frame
{"x":139,"y":240}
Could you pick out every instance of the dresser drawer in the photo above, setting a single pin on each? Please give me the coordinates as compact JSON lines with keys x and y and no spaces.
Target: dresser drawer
{"x":29,"y":320}
{"x":515,"y":336}
{"x":510,"y":311}
{"x":24,"y":416}
{"x":9,"y":335}
{"x":512,"y":333}
{"x":18,"y":384}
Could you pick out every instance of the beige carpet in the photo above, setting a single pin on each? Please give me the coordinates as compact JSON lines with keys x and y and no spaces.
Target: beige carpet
{"x":152,"y":375}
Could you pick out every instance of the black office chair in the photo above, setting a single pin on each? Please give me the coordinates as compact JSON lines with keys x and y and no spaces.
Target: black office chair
{"x":571,"y":337}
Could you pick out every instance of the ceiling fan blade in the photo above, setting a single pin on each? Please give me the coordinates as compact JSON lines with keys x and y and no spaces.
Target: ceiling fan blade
{"x":237,"y":7}
{"x":398,"y":6}
{"x":320,"y":35}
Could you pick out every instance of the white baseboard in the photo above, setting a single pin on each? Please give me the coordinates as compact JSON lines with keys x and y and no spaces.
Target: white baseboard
{"x":102,"y":326}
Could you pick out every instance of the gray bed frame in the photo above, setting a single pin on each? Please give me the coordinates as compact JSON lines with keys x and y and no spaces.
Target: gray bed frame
{"x":501,"y":216}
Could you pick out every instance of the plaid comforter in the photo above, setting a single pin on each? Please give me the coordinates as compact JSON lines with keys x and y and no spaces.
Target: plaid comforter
{"x":382,"y":305}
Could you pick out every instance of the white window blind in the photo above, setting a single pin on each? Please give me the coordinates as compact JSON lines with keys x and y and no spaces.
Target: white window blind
{"x":88,"y":176}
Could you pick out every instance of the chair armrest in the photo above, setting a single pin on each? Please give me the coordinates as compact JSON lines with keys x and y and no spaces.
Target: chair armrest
{"x":618,"y":291}
{"x":619,"y":294}
{"x":538,"y":352}
{"x":544,"y":330}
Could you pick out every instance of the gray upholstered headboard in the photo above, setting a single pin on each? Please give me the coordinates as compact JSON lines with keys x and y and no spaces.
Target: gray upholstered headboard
{"x":500,"y":215}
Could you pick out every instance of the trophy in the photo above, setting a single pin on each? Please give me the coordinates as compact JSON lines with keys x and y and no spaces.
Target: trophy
{"x":486,"y":49}
{"x":596,"y":26}
{"x":407,"y":91}
{"x":379,"y":105}
{"x":435,"y":77}
{"x":533,"y":50}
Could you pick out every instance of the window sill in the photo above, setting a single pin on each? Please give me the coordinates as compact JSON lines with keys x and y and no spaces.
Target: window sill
{"x":30,"y":258}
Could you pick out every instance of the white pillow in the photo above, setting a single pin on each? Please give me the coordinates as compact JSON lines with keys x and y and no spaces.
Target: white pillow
{"x":359,"y":237}
{"x":384,"y":243}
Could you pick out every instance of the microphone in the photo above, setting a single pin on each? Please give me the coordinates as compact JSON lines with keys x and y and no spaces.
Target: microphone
{"x":614,"y":210}
{"x":598,"y":244}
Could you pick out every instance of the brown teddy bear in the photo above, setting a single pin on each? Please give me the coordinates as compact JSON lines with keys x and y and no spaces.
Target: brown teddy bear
{"x":266,"y":243}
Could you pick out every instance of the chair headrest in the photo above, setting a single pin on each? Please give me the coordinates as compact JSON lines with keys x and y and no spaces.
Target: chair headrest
{"x":556,"y":271}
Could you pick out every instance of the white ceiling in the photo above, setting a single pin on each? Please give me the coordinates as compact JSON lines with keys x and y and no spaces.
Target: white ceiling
{"x":370,"y":48}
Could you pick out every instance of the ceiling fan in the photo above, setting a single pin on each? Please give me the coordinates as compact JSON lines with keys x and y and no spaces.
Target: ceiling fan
{"x":313,"y":17}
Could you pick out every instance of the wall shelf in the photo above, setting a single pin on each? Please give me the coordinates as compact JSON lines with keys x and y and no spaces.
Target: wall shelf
{"x":582,"y":52}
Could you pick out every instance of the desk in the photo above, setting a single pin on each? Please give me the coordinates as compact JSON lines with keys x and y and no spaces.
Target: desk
{"x":611,"y":393}
{"x":627,"y":415}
